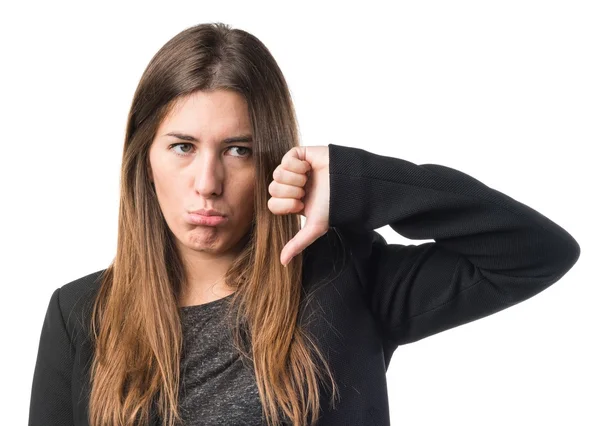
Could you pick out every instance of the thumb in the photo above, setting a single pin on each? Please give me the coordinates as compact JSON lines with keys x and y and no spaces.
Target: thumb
{"x":305,"y":237}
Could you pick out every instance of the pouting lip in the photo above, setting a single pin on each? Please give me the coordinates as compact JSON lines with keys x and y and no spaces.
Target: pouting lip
{"x":209,"y":212}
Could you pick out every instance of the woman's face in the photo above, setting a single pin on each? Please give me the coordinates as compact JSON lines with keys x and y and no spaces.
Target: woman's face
{"x":201,"y":169}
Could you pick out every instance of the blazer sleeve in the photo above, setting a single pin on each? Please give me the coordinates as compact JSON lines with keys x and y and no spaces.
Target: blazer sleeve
{"x":490,"y":251}
{"x":51,"y":402}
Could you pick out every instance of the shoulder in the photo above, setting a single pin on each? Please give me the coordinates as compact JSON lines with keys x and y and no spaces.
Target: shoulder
{"x":327,"y":250}
{"x":81,"y":286}
{"x":359,"y":243}
{"x":343,"y":244}
{"x":75,"y":300}
{"x":338,"y":251}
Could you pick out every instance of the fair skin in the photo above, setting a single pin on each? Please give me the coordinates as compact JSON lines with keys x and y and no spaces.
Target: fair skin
{"x":205,"y":173}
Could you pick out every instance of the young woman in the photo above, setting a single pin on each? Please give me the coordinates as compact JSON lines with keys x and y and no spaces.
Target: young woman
{"x":198,"y":321}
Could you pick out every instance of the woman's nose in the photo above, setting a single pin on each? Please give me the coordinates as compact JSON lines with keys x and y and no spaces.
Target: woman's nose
{"x":208,"y":176}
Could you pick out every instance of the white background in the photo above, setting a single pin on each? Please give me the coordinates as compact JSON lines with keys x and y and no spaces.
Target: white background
{"x":506,"y":91}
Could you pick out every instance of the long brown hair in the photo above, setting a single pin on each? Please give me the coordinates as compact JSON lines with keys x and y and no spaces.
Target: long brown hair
{"x":135,"y":321}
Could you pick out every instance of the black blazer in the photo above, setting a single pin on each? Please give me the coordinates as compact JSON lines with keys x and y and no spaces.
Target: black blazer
{"x":490,"y":252}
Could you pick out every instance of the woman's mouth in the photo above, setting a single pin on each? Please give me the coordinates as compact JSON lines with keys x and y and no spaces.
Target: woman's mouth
{"x":199,"y":219}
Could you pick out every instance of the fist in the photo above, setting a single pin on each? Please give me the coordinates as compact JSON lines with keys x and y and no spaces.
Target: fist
{"x":301,"y":186}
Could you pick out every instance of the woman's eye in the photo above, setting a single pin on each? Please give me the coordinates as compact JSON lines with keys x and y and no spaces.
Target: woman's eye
{"x":245,"y":151}
{"x":178,"y":145}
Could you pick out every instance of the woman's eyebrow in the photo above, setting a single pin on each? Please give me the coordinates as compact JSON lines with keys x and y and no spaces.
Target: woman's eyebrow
{"x":190,"y":138}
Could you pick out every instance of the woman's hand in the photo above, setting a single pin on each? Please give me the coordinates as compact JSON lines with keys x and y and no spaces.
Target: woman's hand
{"x":301,"y":186}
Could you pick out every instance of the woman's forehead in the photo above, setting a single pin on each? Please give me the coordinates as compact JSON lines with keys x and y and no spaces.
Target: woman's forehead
{"x":218,"y":114}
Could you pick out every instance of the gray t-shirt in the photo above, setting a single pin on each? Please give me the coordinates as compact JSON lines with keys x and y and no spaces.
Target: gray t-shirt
{"x":216,"y":387}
